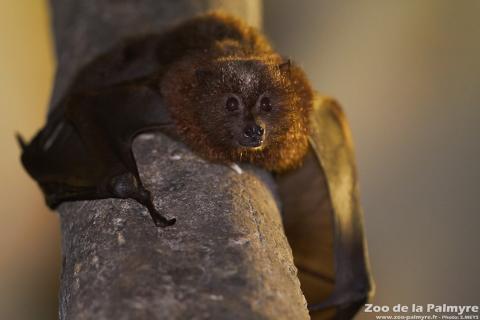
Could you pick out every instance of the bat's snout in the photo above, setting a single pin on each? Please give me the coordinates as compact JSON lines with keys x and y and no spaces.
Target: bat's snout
{"x":253,"y":136}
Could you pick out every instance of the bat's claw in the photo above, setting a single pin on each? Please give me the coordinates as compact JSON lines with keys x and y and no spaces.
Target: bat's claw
{"x":21,"y":141}
{"x":128,"y":186}
{"x":161,"y":221}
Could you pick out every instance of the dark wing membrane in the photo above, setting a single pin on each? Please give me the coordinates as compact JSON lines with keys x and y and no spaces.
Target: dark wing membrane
{"x":58,"y":160}
{"x":85,"y":150}
{"x":323,"y":219}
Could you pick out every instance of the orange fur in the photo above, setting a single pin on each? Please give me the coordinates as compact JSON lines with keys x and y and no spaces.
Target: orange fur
{"x":217,"y":42}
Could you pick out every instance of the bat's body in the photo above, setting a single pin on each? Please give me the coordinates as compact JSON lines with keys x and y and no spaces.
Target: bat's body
{"x":217,"y":85}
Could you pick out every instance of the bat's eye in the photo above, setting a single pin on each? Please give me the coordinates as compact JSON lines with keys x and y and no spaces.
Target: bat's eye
{"x":232,"y":104}
{"x":265,"y":104}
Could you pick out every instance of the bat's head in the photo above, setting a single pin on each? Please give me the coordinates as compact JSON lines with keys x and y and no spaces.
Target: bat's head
{"x":253,"y":109}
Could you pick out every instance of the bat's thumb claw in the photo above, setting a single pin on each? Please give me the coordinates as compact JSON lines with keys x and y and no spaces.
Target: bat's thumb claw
{"x":21,"y":141}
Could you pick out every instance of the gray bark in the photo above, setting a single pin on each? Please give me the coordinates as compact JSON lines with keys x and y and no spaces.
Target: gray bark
{"x":225,"y":258}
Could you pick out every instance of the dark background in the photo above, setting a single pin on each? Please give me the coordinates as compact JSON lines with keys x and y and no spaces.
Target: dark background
{"x":408,"y":75}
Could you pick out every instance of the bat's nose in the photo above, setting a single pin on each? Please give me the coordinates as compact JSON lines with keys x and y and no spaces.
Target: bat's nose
{"x":253,"y":132}
{"x":252,"y":135}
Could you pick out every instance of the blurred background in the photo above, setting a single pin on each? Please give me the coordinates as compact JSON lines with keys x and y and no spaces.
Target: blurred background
{"x":408,"y":75}
{"x":29,"y":231}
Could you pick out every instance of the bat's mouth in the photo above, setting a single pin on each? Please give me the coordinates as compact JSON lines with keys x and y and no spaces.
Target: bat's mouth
{"x":250,"y":143}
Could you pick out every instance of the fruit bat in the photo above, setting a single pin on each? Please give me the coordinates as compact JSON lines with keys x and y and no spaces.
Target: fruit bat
{"x":216,"y":84}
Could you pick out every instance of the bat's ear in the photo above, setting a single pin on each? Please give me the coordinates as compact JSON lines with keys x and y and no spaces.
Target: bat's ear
{"x":284,"y":67}
{"x":204,"y":75}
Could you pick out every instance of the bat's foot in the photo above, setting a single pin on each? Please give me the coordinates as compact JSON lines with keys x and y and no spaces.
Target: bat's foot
{"x":128,"y":186}
{"x":161,"y":221}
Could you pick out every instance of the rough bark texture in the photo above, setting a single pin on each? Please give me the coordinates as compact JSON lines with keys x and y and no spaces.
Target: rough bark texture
{"x":227,"y":256}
